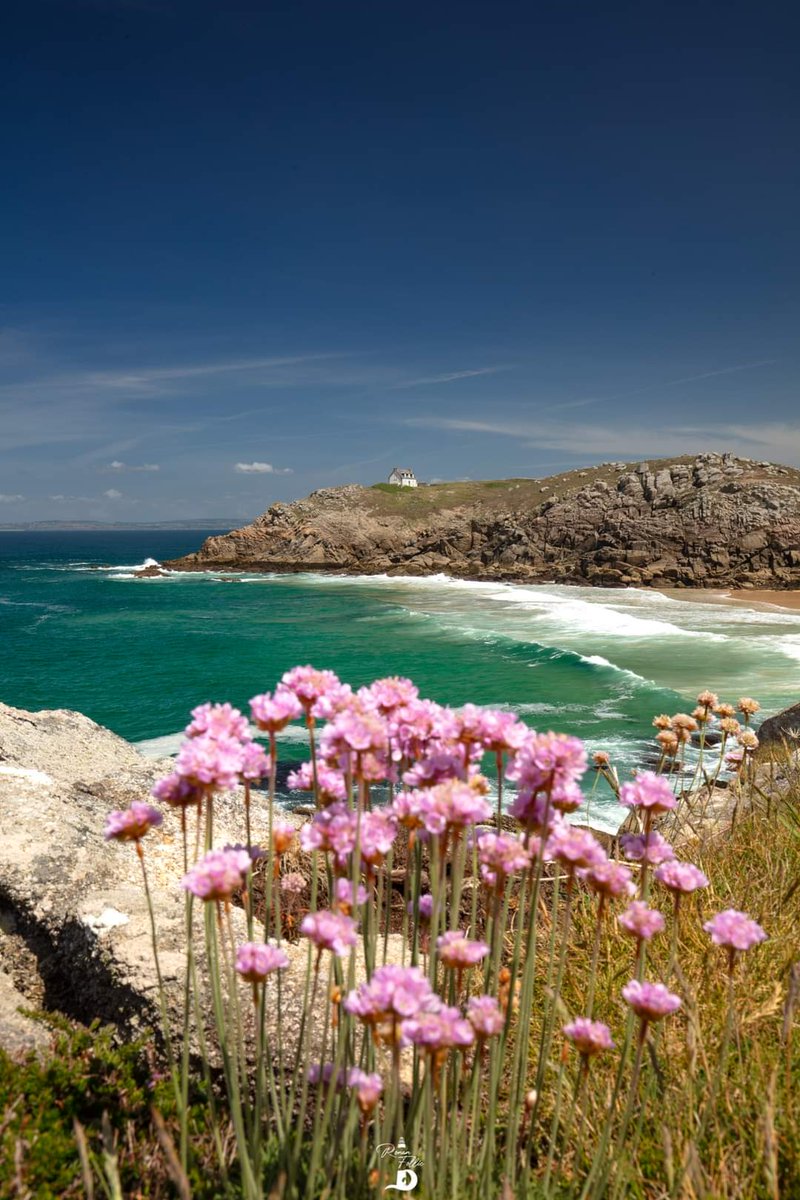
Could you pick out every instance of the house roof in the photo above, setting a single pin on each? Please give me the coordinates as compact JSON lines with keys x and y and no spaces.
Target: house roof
{"x":402,"y":471}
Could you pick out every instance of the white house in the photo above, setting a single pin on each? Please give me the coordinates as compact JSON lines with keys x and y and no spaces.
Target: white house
{"x":403,"y":477}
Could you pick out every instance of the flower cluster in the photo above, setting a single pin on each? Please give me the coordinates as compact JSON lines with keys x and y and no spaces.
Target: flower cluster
{"x":218,"y":874}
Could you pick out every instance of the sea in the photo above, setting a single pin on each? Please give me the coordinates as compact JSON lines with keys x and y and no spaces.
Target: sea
{"x":79,"y":630}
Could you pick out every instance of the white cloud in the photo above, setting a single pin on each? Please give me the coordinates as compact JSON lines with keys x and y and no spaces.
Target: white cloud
{"x":8,"y":499}
{"x":113,"y":494}
{"x":118,"y":466}
{"x":451,"y":376}
{"x":261,"y":468}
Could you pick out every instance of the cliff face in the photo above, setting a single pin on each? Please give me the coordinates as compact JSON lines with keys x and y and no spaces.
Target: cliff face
{"x":715,"y":520}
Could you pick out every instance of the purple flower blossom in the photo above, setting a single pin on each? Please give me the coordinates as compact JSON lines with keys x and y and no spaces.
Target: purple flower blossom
{"x":545,"y":762}
{"x":273,"y":712}
{"x":456,"y":950}
{"x":218,"y":721}
{"x":392,"y":994}
{"x":648,"y":791}
{"x":332,"y":931}
{"x":453,"y":805}
{"x":344,"y":895}
{"x":574,"y":847}
{"x":735,"y":930}
{"x":650,"y":1001}
{"x":218,"y":875}
{"x":255,"y":762}
{"x":485,"y":1016}
{"x":651,"y":848}
{"x":392,"y":693}
{"x":589,"y":1037}
{"x":331,"y":783}
{"x":640,"y":921}
{"x":131,"y":824}
{"x":681,"y":878}
{"x":256,"y":960}
{"x":368,"y":1087}
{"x":309,"y":684}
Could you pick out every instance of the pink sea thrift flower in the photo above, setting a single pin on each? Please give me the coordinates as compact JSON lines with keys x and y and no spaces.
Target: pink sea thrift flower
{"x":425,"y":905}
{"x":391,"y":994}
{"x":293,"y":883}
{"x":681,"y":878}
{"x":218,"y":875}
{"x":392,"y":693}
{"x":501,"y":855}
{"x":283,"y":834}
{"x":368,"y":1087}
{"x":641,"y":921}
{"x":609,"y":879}
{"x":256,"y":960}
{"x":331,"y":830}
{"x":309,"y":685}
{"x":351,"y":734}
{"x":331,"y":783}
{"x":546,"y":762}
{"x":648,"y":791}
{"x":273,"y":711}
{"x":650,"y":1001}
{"x":452,"y":805}
{"x":734,"y":930}
{"x":456,"y":950}
{"x":437,"y":1028}
{"x":344,"y":895}
{"x":574,"y":847}
{"x":218,"y":721}
{"x":131,"y":824}
{"x":175,"y":790}
{"x":588,"y":1037}
{"x":651,"y":848}
{"x":332,"y":931}
{"x":485,"y":1016}
{"x":208,"y":761}
{"x":255,"y":762}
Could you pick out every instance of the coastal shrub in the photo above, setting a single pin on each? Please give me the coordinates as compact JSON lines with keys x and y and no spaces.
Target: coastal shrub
{"x":492,"y":1002}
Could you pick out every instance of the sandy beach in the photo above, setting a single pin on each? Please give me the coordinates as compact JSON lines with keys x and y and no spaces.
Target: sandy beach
{"x":748,"y":597}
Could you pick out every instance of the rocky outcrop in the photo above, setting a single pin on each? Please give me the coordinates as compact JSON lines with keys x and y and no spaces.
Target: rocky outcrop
{"x":711,"y":521}
{"x":782,"y":730}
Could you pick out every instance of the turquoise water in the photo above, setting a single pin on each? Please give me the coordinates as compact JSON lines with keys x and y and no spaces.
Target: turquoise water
{"x":136,"y":655}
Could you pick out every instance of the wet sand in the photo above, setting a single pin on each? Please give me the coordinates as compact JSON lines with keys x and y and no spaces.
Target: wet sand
{"x":747,"y":597}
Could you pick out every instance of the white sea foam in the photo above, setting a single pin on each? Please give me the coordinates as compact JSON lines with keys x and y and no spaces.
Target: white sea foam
{"x":168,"y":745}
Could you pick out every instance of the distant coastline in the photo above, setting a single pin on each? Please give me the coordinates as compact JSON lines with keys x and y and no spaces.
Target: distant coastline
{"x":202,"y":523}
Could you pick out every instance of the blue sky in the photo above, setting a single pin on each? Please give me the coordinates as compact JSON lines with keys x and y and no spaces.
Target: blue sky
{"x":318,"y":239}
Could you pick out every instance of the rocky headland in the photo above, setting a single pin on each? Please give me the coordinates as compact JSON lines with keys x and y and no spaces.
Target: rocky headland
{"x":716,"y":520}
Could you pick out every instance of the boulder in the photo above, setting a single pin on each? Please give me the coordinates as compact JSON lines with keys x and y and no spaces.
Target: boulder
{"x":782,"y":729}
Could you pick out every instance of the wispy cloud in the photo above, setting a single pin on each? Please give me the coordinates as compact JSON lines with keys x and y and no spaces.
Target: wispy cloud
{"x":5,"y":498}
{"x":261,"y":468}
{"x":113,"y":494}
{"x":451,"y":376}
{"x":119,"y":467}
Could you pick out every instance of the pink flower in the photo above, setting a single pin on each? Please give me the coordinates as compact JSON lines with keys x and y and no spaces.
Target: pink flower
{"x":681,"y":877}
{"x":256,"y":960}
{"x":609,"y":879}
{"x":650,"y":1001}
{"x":273,"y":712}
{"x":452,"y":805}
{"x":589,"y":1037}
{"x":391,"y":994}
{"x":425,"y":905}
{"x":331,"y":783}
{"x":351,"y":734}
{"x":496,"y":731}
{"x":392,"y":693}
{"x":175,"y":791}
{"x":211,"y":761}
{"x":651,"y":848}
{"x":344,"y":895}
{"x":457,"y":951}
{"x":131,"y":824}
{"x":255,"y":762}
{"x":368,"y":1087}
{"x":218,"y":875}
{"x":218,"y":721}
{"x":735,"y":930}
{"x":377,"y":833}
{"x":332,"y":931}
{"x":648,"y":791}
{"x":283,"y":834}
{"x":331,"y":830}
{"x":485,"y":1016}
{"x":293,"y":883}
{"x":309,"y":684}
{"x":640,"y":921}
{"x":406,"y":807}
{"x":574,"y":847}
{"x":544,"y":763}
{"x":441,"y":764}
{"x":438,"y":1028}
{"x":501,"y":855}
